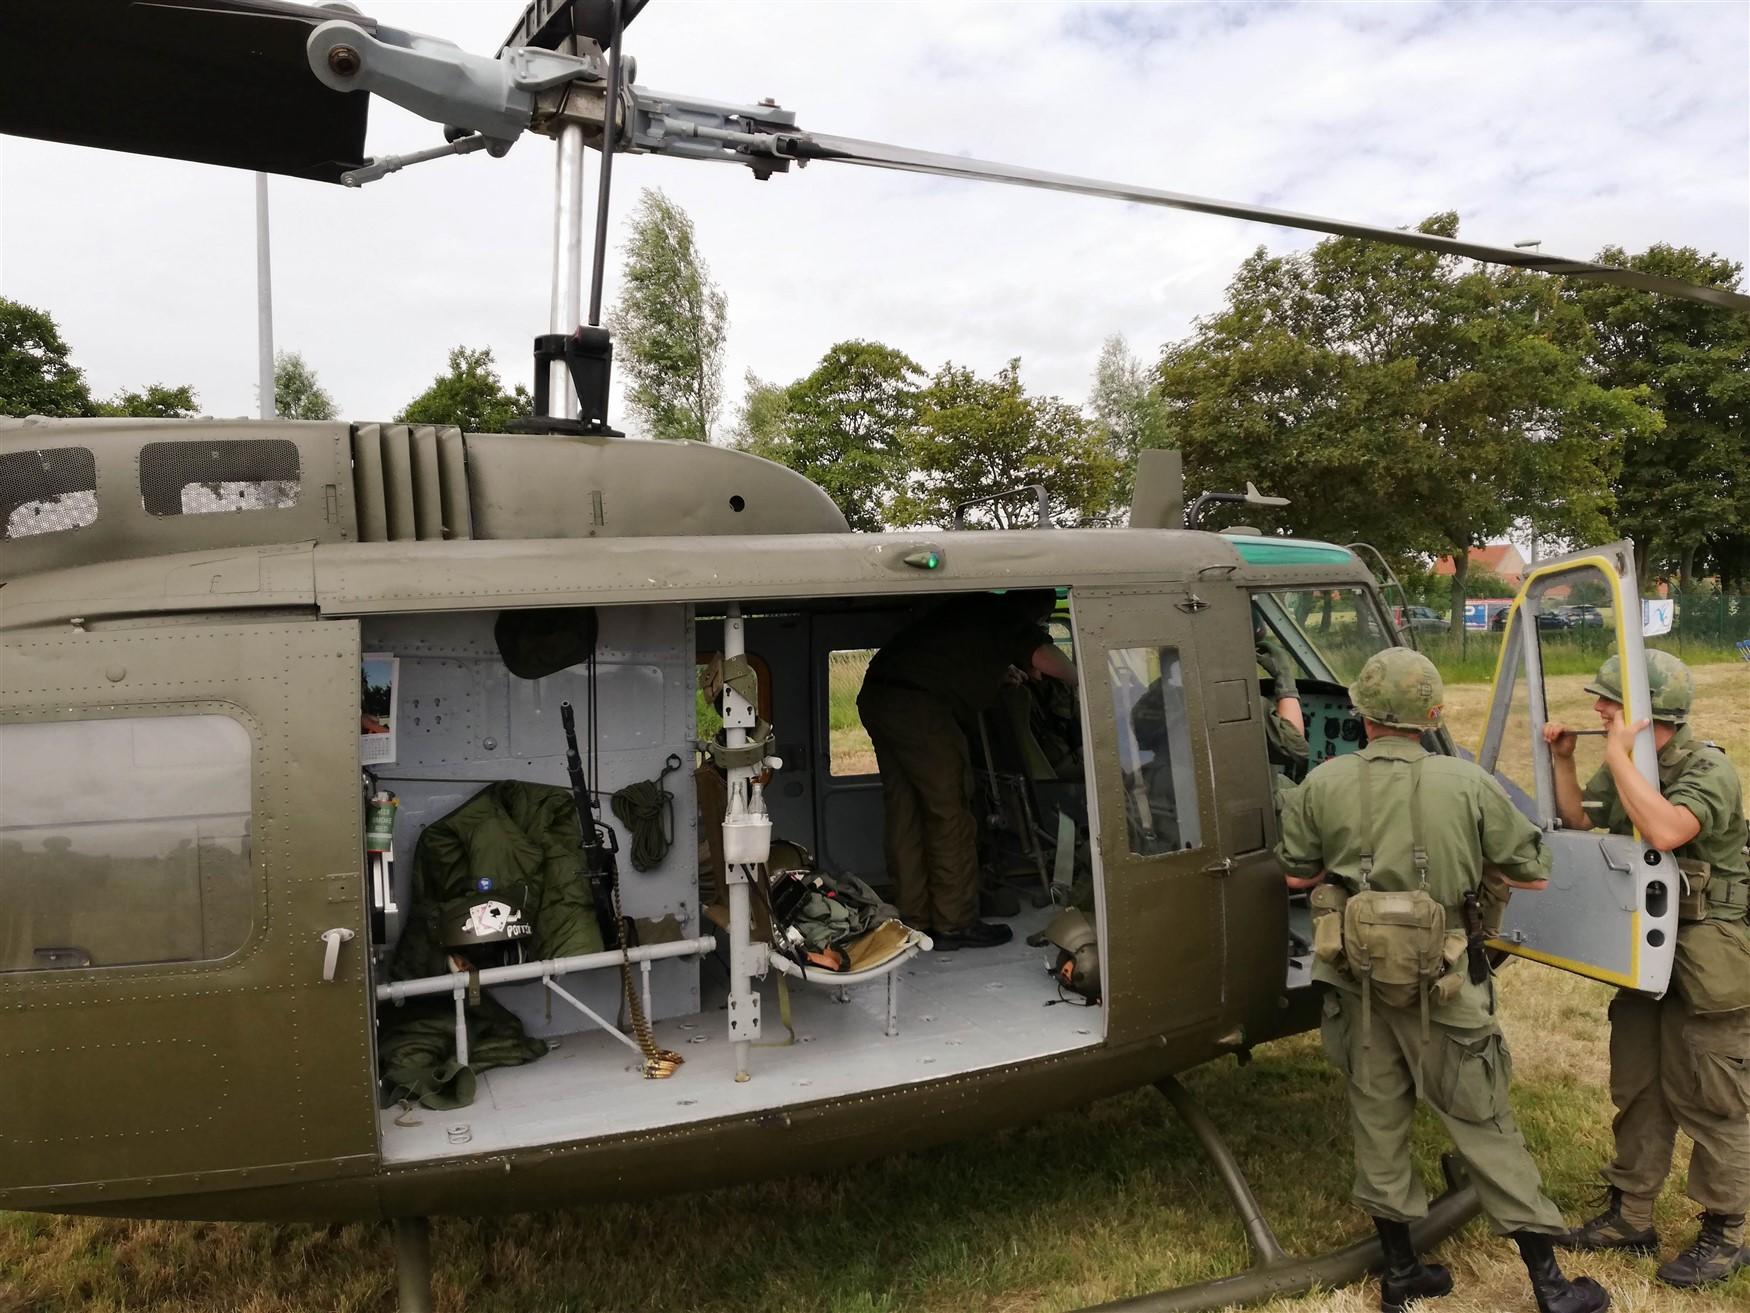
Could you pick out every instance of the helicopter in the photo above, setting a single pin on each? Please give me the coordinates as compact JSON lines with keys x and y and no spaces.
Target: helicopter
{"x":207,"y":854}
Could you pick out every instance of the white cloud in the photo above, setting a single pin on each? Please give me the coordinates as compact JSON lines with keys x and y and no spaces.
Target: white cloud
{"x":1580,"y":125}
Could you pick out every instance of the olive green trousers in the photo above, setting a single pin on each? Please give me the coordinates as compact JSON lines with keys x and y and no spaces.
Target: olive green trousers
{"x":1671,"y":1070}
{"x":931,"y":836}
{"x":1465,"y":1074}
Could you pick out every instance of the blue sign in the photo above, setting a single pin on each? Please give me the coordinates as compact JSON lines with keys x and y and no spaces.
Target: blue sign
{"x":1476,"y":615}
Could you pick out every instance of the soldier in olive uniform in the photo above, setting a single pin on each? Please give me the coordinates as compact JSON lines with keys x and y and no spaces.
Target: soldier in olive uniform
{"x":1681,"y":1061}
{"x":933,"y":678}
{"x":1394,"y":817}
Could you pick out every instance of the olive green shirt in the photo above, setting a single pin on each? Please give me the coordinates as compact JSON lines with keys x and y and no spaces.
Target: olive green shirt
{"x":1467,"y":822}
{"x":1695,"y":776}
{"x":960,"y":652}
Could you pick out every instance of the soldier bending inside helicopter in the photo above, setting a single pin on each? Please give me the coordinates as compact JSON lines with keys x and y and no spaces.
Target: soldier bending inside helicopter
{"x":1681,"y":1061}
{"x":934,"y":677}
{"x":1393,"y":841}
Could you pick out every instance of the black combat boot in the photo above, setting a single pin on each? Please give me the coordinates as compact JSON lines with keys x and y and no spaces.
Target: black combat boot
{"x":1555,"y":1293}
{"x":1611,"y":1230}
{"x":1406,"y":1276}
{"x":1717,"y":1253}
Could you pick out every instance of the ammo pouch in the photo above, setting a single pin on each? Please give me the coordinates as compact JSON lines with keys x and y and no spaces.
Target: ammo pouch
{"x":1692,"y":904}
{"x":1327,"y":901}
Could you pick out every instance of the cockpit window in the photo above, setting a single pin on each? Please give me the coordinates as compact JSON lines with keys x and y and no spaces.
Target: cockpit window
{"x":1330,"y":631}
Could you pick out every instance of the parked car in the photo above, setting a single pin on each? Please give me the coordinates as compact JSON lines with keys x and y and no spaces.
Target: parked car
{"x":1583,"y":617}
{"x":1545,"y":620}
{"x":1420,"y":620}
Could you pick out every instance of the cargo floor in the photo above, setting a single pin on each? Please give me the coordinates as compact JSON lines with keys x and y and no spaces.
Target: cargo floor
{"x":958,"y":1012}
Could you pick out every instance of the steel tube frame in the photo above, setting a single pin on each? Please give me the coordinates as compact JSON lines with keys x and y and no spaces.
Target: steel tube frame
{"x":1276,"y":1274}
{"x":263,"y":300}
{"x":398,"y":991}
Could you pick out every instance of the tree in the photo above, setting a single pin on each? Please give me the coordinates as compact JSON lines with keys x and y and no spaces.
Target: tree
{"x":1128,"y":414}
{"x":36,"y":378}
{"x":670,"y":324}
{"x":844,"y":426}
{"x":296,"y":393}
{"x":976,"y":438}
{"x":470,"y":395}
{"x":1402,"y":397}
{"x":1682,"y":495}
{"x":762,"y":414}
{"x":156,"y":402}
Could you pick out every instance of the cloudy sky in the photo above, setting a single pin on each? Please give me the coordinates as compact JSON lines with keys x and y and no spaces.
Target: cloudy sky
{"x":1580,"y":125}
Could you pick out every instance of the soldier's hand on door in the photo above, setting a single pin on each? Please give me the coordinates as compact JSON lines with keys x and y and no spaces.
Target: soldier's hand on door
{"x":1561,"y":739}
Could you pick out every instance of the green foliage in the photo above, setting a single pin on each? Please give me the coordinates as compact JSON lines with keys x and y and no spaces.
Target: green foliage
{"x":670,"y":324}
{"x":1479,"y":582}
{"x":844,"y":426}
{"x":1128,"y":413}
{"x":469,"y":395}
{"x":156,"y":402}
{"x":36,"y":378}
{"x":1402,"y":397}
{"x":296,"y":393}
{"x":1681,"y":494}
{"x":977,"y":437}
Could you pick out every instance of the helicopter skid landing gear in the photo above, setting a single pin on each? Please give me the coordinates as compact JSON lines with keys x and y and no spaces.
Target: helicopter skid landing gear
{"x":1274,"y":1273}
{"x":413,"y":1263}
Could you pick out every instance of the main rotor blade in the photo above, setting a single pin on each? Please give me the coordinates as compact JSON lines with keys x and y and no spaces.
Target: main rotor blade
{"x":880,"y":155}
{"x":215,"y":81}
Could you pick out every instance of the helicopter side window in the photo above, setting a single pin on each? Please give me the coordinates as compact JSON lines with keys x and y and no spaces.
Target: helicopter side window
{"x":47,"y":491}
{"x":124,"y":841}
{"x":1154,"y":741}
{"x":199,"y":478}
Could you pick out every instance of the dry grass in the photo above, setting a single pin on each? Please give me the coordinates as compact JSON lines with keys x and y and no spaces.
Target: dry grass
{"x":1097,"y":1205}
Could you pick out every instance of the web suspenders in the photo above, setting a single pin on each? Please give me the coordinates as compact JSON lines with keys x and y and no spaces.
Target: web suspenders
{"x":1418,"y":847}
{"x":1419,"y":859}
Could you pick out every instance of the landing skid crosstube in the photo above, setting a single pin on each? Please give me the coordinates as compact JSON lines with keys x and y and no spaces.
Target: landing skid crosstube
{"x":1274,"y":1273}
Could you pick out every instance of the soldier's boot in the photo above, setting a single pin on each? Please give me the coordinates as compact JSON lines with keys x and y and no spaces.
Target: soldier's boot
{"x":1717,"y":1253}
{"x":1406,"y":1276}
{"x":1555,"y":1293}
{"x":1611,"y":1229}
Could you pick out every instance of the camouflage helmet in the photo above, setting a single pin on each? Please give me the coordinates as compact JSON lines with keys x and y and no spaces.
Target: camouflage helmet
{"x":1669,"y":683}
{"x":1399,"y":686}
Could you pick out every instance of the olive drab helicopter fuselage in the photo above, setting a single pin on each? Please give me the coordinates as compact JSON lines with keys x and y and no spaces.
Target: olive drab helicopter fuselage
{"x":225,"y":644}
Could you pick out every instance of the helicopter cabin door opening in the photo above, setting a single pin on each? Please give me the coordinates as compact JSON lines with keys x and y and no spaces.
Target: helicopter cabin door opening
{"x":1610,"y":911}
{"x":463,"y":723}
{"x":163,"y":906}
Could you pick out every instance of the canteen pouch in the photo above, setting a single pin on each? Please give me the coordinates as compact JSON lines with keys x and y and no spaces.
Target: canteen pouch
{"x":1326,"y":901}
{"x":1395,"y":941}
{"x":1713,"y":966}
{"x":1693,"y":904}
{"x":1453,"y":955}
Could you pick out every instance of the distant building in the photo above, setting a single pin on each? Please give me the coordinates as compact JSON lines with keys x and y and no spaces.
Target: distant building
{"x":1498,"y":558}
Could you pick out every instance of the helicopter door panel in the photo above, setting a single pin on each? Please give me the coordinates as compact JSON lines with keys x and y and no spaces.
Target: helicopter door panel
{"x":1610,"y":911}
{"x":1161,"y":913}
{"x":183,"y":984}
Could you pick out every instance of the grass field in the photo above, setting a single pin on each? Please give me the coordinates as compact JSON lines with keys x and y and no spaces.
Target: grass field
{"x":1111,"y":1201}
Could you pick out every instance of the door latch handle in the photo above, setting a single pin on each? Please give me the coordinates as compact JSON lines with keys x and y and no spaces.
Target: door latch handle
{"x":1219,"y":869}
{"x":331,"y":955}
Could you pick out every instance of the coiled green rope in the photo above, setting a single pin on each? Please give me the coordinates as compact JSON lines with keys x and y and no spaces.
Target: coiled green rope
{"x":647,"y":810}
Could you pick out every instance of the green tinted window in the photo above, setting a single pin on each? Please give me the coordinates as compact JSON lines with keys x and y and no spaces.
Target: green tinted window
{"x":1330,"y":631}
{"x":1154,"y":749}
{"x":123,"y":841}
